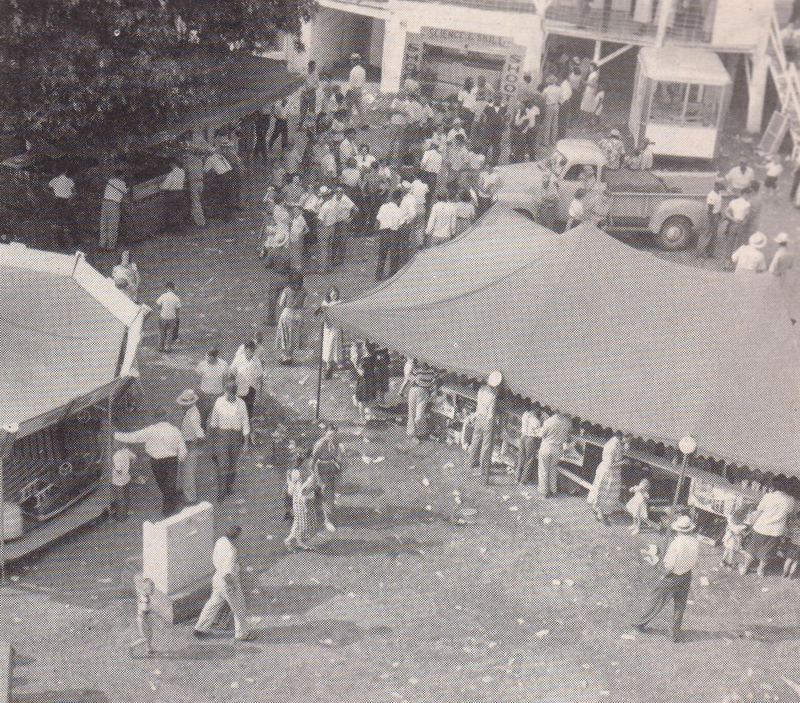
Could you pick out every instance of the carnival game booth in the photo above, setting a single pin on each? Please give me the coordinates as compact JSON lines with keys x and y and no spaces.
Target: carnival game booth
{"x":68,"y":347}
{"x":680,"y":99}
{"x":616,"y":337}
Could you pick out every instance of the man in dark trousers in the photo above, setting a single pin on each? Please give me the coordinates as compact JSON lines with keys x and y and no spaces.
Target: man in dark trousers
{"x":166,"y":447}
{"x":261,"y":121}
{"x":679,"y":560}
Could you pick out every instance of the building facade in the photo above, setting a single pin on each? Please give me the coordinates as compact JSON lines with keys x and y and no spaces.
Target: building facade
{"x":444,"y":42}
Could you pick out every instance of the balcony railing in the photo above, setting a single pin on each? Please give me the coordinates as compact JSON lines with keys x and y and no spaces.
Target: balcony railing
{"x":633,"y":21}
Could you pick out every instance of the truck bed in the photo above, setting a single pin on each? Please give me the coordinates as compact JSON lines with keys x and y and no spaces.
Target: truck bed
{"x":692,"y":183}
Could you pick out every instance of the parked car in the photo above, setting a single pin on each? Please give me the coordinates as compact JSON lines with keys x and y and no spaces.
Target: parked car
{"x":669,"y":205}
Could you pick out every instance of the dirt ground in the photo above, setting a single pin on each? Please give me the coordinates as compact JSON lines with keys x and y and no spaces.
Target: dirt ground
{"x":533,"y":603}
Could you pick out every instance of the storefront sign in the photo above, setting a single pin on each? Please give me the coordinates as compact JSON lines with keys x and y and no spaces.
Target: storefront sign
{"x":467,"y":40}
{"x":512,"y":73}
{"x":412,"y":58}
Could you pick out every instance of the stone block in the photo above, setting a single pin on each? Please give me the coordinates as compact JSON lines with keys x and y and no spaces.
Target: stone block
{"x":182,"y":605}
{"x":177,"y":550}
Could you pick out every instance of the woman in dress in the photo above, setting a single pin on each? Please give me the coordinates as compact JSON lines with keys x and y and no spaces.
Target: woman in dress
{"x":301,"y":485}
{"x":604,"y":496}
{"x":588,"y":101}
{"x":327,"y":465}
{"x":332,"y":336}
{"x":126,"y":270}
{"x":364,"y":370}
{"x":290,"y":322}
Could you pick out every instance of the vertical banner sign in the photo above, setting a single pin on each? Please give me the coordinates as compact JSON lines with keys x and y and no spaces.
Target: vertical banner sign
{"x":512,"y":73}
{"x":412,"y":58}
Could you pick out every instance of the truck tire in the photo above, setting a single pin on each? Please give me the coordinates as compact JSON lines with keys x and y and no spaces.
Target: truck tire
{"x":675,"y":234}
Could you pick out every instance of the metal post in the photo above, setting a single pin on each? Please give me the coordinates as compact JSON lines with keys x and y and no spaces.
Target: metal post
{"x":681,"y":476}
{"x":319,"y":370}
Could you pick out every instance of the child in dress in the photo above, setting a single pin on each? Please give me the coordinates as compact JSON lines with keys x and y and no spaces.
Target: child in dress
{"x":734,"y":534}
{"x":144,"y":623}
{"x":792,"y":547}
{"x":637,"y":505}
{"x":301,"y":486}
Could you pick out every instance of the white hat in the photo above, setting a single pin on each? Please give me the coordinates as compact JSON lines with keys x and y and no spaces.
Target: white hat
{"x":782,"y":238}
{"x":495,"y":379}
{"x":757,"y":240}
{"x":683,"y":524}
{"x":614,"y":133}
{"x":354,"y":56}
{"x":406,"y":185}
{"x":188,"y":397}
{"x":324,"y":190}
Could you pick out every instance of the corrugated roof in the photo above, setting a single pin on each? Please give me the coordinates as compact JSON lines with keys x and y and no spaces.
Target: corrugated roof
{"x":614,"y":335}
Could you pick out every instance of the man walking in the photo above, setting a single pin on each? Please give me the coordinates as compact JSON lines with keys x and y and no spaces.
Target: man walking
{"x":556,"y":430}
{"x":229,"y":428}
{"x":679,"y":560}
{"x":193,"y":435}
{"x":248,"y":373}
{"x":421,"y":383}
{"x":480,"y":449}
{"x":308,"y":98}
{"x":783,"y":259}
{"x":226,"y":587}
{"x":165,"y":446}
{"x":390,"y":219}
{"x":169,"y":306}
{"x":737,"y":213}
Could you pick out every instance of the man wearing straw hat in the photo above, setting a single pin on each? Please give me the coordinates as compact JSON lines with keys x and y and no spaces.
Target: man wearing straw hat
{"x":679,"y":560}
{"x":783,"y":259}
{"x":480,"y":449}
{"x":193,"y":435}
{"x":750,"y":257}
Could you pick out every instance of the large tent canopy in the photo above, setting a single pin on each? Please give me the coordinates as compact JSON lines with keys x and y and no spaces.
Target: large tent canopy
{"x":67,"y":334}
{"x":616,"y":336}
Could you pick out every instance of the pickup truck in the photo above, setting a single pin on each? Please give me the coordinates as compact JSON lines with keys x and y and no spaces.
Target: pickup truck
{"x":669,"y":205}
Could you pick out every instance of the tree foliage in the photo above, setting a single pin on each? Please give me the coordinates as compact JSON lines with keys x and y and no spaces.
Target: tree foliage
{"x":87,"y":74}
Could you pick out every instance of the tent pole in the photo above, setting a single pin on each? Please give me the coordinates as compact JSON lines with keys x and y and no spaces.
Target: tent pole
{"x":6,"y":440}
{"x":319,"y":371}
{"x":681,"y":475}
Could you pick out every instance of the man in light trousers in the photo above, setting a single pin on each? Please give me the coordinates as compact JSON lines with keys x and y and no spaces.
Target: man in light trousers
{"x":226,"y":587}
{"x":480,"y":449}
{"x":193,"y":435}
{"x":555,"y":434}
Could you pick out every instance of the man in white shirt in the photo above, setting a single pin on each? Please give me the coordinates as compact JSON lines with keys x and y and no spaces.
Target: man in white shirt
{"x":63,"y":189}
{"x":229,"y":429}
{"x":556,"y":431}
{"x":740,"y":177}
{"x":169,"y":305}
{"x":577,"y":211}
{"x":213,"y":373}
{"x":679,"y":560}
{"x":193,"y":435}
{"x":326,"y":231}
{"x":479,"y":456}
{"x":442,"y":221}
{"x":165,"y":446}
{"x":248,"y":373}
{"x":552,"y":105}
{"x":355,"y":88}
{"x":111,"y":210}
{"x":345,"y":214}
{"x":530,"y":437}
{"x":706,"y":241}
{"x":783,"y":259}
{"x":173,"y":187}
{"x":411,"y":214}
{"x":750,"y":258}
{"x":769,"y":526}
{"x":347,"y":149}
{"x":389,"y":219}
{"x":646,"y":156}
{"x":226,"y":587}
{"x":431,"y":164}
{"x":120,"y":483}
{"x":737,"y":214}
{"x":490,"y":180}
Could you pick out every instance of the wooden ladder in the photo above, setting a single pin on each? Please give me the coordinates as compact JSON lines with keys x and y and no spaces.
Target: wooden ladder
{"x":787,"y":82}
